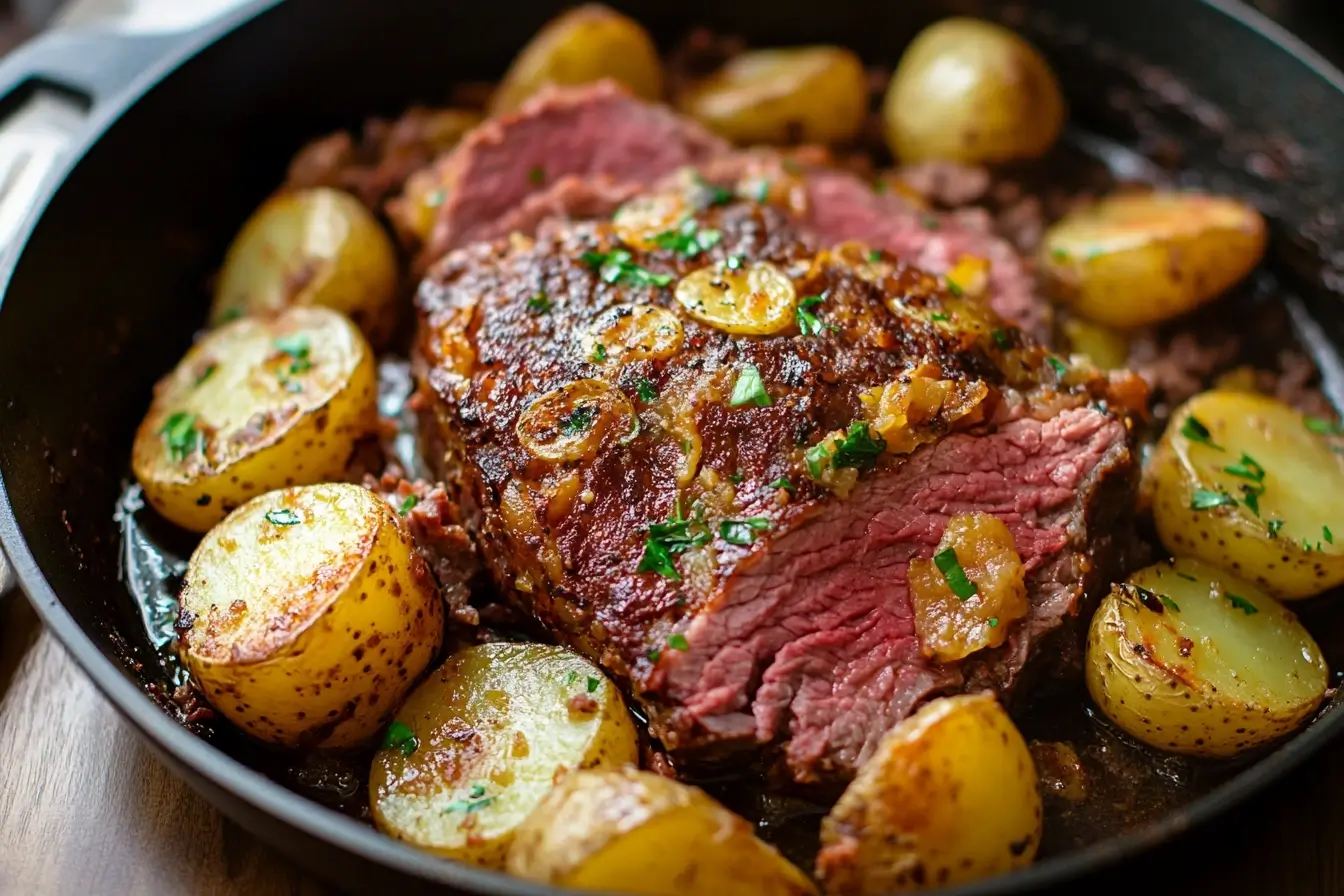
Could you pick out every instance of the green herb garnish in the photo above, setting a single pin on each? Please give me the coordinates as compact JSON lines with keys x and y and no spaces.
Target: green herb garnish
{"x":578,"y":421}
{"x":468,"y":805}
{"x":1169,"y":603}
{"x":654,"y":654}
{"x":939,"y":316}
{"x":1242,"y":604}
{"x":599,"y":353}
{"x":181,"y":436}
{"x":1329,"y":536}
{"x":618,"y":265}
{"x":675,"y":536}
{"x":1322,"y":426}
{"x":688,"y":238}
{"x":954,"y":287}
{"x":1001,"y":339}
{"x":571,"y":677}
{"x":948,"y":564}
{"x":874,"y":254}
{"x":678,"y":642}
{"x":536,"y":175}
{"x":1057,"y":365}
{"x":407,"y":504}
{"x":749,"y":389}
{"x":708,"y":195}
{"x":646,"y":390}
{"x":858,"y":449}
{"x":734,"y":263}
{"x":736,"y":477}
{"x":808,"y":322}
{"x":593,"y":683}
{"x":297,"y":346}
{"x":539,"y":304}
{"x":283,"y":517}
{"x":993,"y":622}
{"x":1246,"y":468}
{"x":1204,"y":499}
{"x":761,"y":191}
{"x":399,"y":736}
{"x":742,"y":531}
{"x":205,"y":374}
{"x":1274,"y":526}
{"x":782,"y":482}
{"x":1194,"y":429}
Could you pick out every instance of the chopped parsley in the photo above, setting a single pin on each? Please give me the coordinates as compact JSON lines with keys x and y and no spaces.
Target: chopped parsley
{"x":298,"y":347}
{"x":618,"y":266}
{"x":1059,"y":254}
{"x":749,"y":389}
{"x":993,"y":622}
{"x":1274,"y":526}
{"x":858,"y":449}
{"x":229,"y":314}
{"x":593,"y":683}
{"x":678,"y":642}
{"x":205,"y":374}
{"x":654,"y":654}
{"x":646,"y":390}
{"x":571,"y":677}
{"x":1194,"y":429}
{"x":1242,"y":604}
{"x":808,"y":322}
{"x":736,"y":477}
{"x":760,"y":191}
{"x":1001,"y":339}
{"x":742,"y":531}
{"x":578,"y":421}
{"x":1246,"y":468}
{"x":782,"y":482}
{"x":283,"y":517}
{"x":734,"y":263}
{"x":1329,"y":536}
{"x":399,"y":736}
{"x":954,"y":287}
{"x":874,"y":254}
{"x":539,"y":304}
{"x":1250,"y":496}
{"x":1057,"y":365}
{"x":1204,"y":499}
{"x":1169,"y":603}
{"x":407,"y":504}
{"x":1323,"y":427}
{"x":688,"y":239}
{"x":948,"y":564}
{"x":181,"y":436}
{"x":536,"y":175}
{"x":939,"y":316}
{"x":708,"y":195}
{"x":472,"y":804}
{"x":675,"y":536}
{"x":599,"y":353}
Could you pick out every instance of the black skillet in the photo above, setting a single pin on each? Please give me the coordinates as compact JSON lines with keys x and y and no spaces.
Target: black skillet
{"x":187,"y":133}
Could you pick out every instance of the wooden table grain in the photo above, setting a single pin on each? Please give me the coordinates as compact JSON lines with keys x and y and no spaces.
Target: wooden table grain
{"x":86,"y":810}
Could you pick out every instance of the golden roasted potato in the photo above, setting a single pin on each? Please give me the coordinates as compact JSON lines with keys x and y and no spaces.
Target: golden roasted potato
{"x":1243,"y":481}
{"x":255,"y":405}
{"x":970,"y":91}
{"x":950,"y":796}
{"x":633,"y":831}
{"x":1135,"y":259}
{"x":482,"y":741}
{"x":757,"y":299}
{"x":317,"y":246}
{"x":585,"y":44}
{"x":1188,"y":658}
{"x":311,"y":613}
{"x":1105,"y":347}
{"x":813,"y":94}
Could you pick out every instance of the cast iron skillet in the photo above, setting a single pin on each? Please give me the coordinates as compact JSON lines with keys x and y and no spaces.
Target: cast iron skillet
{"x":186,"y":134}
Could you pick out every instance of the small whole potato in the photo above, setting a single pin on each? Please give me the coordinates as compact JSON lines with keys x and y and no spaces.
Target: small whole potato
{"x":631,"y":831}
{"x":1136,"y":259}
{"x":1244,"y":482}
{"x":970,"y":91}
{"x":256,"y":405}
{"x":317,"y":246}
{"x":585,"y":44}
{"x":813,"y":94}
{"x":1188,"y":658}
{"x":949,"y":796}
{"x":480,"y":743}
{"x":308,"y":615}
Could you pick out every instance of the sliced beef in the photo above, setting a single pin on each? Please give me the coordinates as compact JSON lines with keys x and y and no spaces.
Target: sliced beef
{"x":803,"y":637}
{"x":597,"y":130}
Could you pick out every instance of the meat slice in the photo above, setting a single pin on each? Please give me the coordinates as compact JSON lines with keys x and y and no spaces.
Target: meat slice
{"x":596,"y":130}
{"x":786,"y":622}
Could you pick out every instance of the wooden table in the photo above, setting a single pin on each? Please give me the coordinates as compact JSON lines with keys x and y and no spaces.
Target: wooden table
{"x":85,"y":809}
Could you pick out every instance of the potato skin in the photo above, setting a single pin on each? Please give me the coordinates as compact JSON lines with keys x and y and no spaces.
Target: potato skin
{"x":1201,"y":662}
{"x":1136,"y":259}
{"x":632,"y":831}
{"x":1002,"y":102}
{"x":493,"y":728}
{"x":308,"y":632}
{"x":1285,"y":544}
{"x":815,"y":94}
{"x":950,"y":796}
{"x":316,"y":246}
{"x":258,"y":417}
{"x":585,"y":44}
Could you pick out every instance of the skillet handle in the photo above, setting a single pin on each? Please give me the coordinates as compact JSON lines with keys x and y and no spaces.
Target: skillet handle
{"x":86,"y":66}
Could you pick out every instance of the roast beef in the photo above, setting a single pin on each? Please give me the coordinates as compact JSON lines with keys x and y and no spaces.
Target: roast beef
{"x":785,"y":623}
{"x":579,"y":152}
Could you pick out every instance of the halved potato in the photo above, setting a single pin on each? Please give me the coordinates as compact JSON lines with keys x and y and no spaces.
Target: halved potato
{"x":950,"y":796}
{"x":1105,"y":347}
{"x":309,"y":613}
{"x":755,"y":299}
{"x":1136,"y":259}
{"x":632,"y":831}
{"x":1188,"y":658}
{"x":480,"y":743}
{"x":1242,"y":481}
{"x":585,"y":44}
{"x":971,"y":91}
{"x":255,"y":405}
{"x":316,"y":246}
{"x":813,"y":94}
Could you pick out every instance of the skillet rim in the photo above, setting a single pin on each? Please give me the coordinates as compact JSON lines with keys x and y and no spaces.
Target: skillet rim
{"x":186,"y":752}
